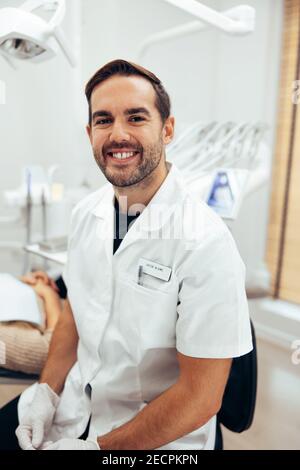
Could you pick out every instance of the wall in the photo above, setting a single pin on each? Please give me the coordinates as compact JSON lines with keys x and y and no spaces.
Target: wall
{"x":247,"y":87}
{"x":41,"y":124}
{"x":186,"y":66}
{"x":209,"y":76}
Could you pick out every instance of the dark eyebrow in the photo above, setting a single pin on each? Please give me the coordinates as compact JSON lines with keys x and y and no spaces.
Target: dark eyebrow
{"x":137,"y":111}
{"x":127,"y":112}
{"x":101,"y":113}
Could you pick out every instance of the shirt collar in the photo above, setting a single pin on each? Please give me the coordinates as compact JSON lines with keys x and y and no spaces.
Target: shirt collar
{"x":159,"y":209}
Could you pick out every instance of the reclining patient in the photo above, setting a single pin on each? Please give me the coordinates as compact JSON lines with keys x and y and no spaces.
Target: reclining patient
{"x":26,"y":343}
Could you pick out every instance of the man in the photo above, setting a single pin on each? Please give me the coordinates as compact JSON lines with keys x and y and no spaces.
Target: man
{"x":156,"y":305}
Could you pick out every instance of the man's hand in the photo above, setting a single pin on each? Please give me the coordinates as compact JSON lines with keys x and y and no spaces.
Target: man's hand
{"x":73,"y":444}
{"x":38,"y":420}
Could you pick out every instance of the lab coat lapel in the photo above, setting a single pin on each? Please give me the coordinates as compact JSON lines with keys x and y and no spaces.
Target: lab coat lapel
{"x":153,"y":218}
{"x":105,"y":214}
{"x":150,"y":224}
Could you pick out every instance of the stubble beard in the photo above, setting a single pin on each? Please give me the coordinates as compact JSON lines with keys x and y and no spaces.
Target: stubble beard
{"x":150,"y":158}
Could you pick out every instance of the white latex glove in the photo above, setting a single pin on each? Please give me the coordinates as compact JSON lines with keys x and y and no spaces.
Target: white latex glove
{"x":38,"y":420}
{"x":73,"y":444}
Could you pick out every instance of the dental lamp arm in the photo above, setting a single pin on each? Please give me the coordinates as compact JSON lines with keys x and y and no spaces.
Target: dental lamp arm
{"x":242,"y":24}
{"x":238,"y":20}
{"x":10,"y":62}
{"x":58,"y":5}
{"x":62,"y":40}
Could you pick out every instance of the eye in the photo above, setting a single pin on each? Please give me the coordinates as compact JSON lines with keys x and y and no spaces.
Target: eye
{"x":102,"y":122}
{"x":136,"y":119}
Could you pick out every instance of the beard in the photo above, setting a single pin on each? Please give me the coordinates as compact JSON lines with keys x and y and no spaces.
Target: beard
{"x":148,"y":160}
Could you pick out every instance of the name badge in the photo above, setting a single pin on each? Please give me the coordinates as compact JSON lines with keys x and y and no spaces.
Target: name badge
{"x":155,"y":269}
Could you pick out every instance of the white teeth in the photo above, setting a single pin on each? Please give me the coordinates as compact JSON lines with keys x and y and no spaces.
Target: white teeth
{"x":122,"y":156}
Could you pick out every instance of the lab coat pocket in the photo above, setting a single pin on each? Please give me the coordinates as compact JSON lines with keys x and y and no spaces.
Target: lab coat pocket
{"x":149,"y":312}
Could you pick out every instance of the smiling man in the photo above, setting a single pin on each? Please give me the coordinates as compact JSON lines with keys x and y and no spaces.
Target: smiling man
{"x":128,"y":134}
{"x":141,"y":356}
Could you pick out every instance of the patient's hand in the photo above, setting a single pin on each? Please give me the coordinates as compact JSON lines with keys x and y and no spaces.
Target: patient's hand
{"x":47,"y":290}
{"x":43,"y":290}
{"x":32,"y":278}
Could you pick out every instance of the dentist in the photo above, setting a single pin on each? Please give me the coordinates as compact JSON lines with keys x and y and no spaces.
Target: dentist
{"x":156,"y":304}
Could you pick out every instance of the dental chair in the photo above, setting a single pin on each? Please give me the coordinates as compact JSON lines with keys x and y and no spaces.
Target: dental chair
{"x":238,"y":405}
{"x":10,"y":377}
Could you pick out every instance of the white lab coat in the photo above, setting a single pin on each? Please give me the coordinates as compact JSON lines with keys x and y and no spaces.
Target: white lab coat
{"x":129,"y":334}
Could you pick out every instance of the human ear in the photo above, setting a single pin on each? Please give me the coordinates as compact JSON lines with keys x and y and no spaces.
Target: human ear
{"x":89,"y":133}
{"x":168,"y":131}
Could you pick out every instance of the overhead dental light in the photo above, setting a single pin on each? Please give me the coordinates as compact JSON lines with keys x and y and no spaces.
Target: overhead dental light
{"x":28,"y":37}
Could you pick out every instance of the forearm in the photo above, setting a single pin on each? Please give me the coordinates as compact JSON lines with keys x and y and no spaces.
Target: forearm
{"x":53,"y":309}
{"x":62,"y":352}
{"x":172,"y":415}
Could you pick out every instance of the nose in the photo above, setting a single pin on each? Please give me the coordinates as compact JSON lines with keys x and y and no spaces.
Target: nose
{"x":119,"y":133}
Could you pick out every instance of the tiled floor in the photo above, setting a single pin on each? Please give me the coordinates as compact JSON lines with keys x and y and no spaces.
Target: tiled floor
{"x":277,"y":419}
{"x":8,"y":392}
{"x":276,"y":422}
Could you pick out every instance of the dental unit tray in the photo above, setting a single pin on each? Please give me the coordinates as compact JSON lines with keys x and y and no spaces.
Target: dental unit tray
{"x":54,"y":244}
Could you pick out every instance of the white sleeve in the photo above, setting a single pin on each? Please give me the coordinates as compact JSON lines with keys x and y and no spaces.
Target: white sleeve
{"x":65,"y":269}
{"x":213,"y":318}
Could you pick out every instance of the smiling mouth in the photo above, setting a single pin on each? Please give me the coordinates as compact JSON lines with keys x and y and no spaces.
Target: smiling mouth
{"x":123,"y":156}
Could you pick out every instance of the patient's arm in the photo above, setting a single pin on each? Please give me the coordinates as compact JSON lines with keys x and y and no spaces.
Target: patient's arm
{"x":53,"y":309}
{"x":51,"y":301}
{"x":62,"y":352}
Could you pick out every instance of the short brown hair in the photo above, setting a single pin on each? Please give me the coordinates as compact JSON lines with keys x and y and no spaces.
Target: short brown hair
{"x":125,"y":68}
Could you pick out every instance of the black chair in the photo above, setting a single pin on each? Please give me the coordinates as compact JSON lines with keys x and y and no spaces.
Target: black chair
{"x":238,"y":405}
{"x":16,"y":378}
